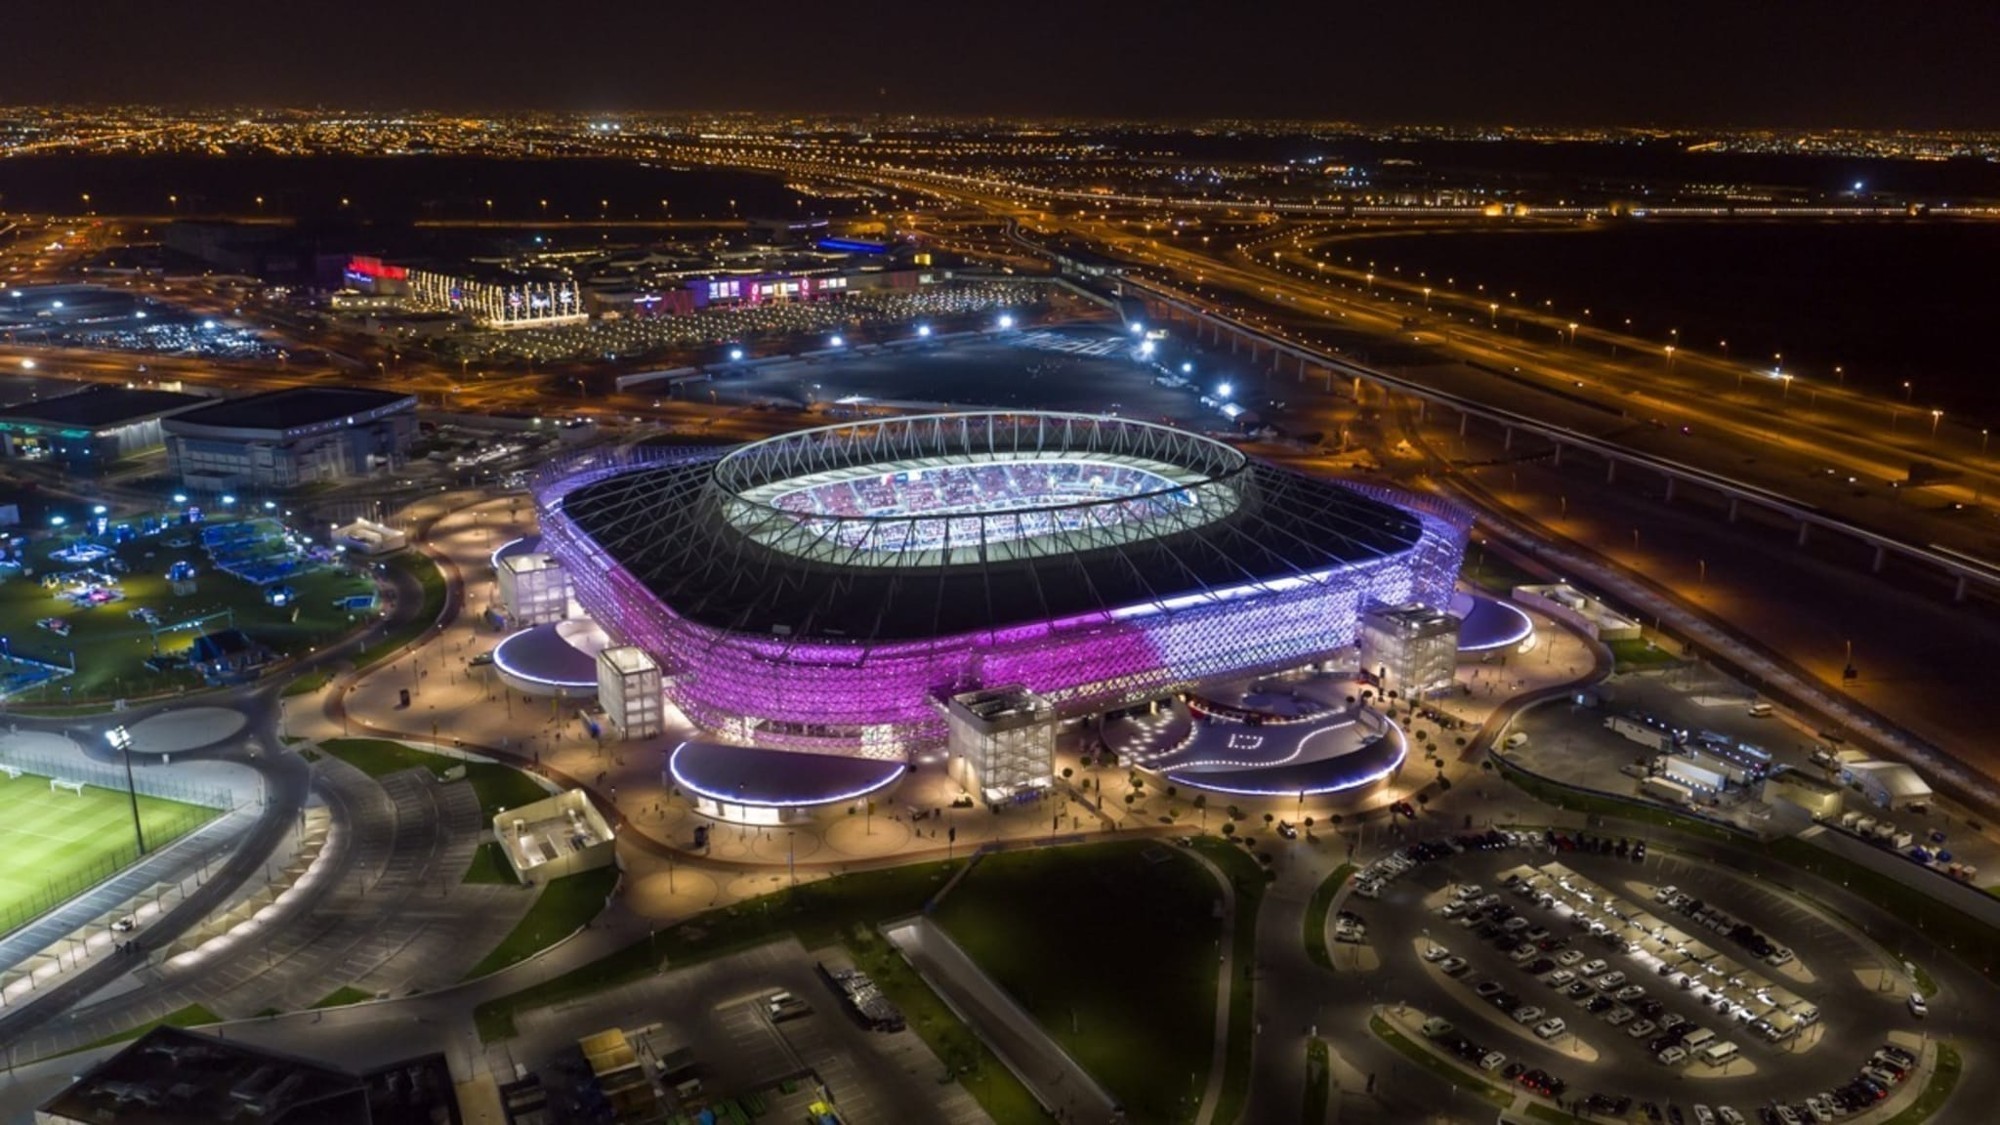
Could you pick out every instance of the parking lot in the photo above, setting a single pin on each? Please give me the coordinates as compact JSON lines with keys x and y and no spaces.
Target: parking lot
{"x":1578,"y":966}
{"x":720,"y":1012}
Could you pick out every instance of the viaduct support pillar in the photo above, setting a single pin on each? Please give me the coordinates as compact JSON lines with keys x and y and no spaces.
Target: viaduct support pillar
{"x":1508,"y":441}
{"x":1881,"y":556}
{"x":1804,"y":530}
{"x":1958,"y":591}
{"x":1610,"y":471}
{"x":1559,"y":452}
{"x":1733,"y":502}
{"x":1465,"y":422}
{"x":1671,"y":481}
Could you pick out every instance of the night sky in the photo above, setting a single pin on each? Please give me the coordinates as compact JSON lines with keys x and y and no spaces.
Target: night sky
{"x":1786,"y":62}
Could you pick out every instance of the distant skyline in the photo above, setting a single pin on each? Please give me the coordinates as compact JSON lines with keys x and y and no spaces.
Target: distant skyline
{"x":1861,"y":64}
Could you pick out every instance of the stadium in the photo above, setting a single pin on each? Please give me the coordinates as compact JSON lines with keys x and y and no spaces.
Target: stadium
{"x":827,"y":590}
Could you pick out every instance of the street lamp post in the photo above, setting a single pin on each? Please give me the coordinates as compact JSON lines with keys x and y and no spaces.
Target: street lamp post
{"x":1936,"y":416}
{"x":121,"y":741}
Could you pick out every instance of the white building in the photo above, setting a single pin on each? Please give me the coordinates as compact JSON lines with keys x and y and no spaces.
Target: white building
{"x":1006,"y":737}
{"x":629,"y":690}
{"x":1411,"y":649}
{"x":533,"y":590}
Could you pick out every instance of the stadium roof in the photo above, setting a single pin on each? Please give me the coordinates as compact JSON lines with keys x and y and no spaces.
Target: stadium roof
{"x":101,"y":406}
{"x":293,"y":406}
{"x":674,"y":528}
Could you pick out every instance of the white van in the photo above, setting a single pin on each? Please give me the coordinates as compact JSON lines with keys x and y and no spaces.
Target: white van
{"x":1698,"y":1038}
{"x":1807,"y":1016}
{"x":1760,"y":709}
{"x":1718,"y":1053}
{"x":1516,"y":740}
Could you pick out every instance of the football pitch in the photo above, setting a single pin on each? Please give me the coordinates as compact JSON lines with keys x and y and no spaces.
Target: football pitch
{"x":56,"y":844}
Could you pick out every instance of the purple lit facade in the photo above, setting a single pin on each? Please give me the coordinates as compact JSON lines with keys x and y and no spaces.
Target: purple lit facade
{"x":825,"y":694}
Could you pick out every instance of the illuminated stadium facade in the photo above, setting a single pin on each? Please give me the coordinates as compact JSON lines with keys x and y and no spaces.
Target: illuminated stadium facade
{"x":824,"y":590}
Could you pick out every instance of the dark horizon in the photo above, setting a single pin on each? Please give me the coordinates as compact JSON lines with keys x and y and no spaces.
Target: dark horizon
{"x":1713,"y":65}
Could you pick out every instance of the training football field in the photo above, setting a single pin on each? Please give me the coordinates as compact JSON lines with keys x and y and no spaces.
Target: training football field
{"x":56,"y":844}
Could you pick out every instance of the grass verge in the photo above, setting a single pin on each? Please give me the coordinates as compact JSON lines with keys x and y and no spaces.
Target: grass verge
{"x":1319,"y":1082}
{"x":1637,"y":653}
{"x":430,"y":579}
{"x":560,"y":910}
{"x":1437,"y":1066}
{"x":1943,"y":1080}
{"x":307,"y":683}
{"x":963,"y":1053}
{"x":1551,"y":794}
{"x":1250,"y":881}
{"x":194,"y":1015}
{"x":341,"y":997}
{"x":1317,"y":910}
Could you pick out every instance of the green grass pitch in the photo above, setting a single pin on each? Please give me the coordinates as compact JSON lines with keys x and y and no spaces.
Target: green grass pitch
{"x":56,"y":844}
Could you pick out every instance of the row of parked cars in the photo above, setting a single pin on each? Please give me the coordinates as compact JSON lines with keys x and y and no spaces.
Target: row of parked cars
{"x":1533,"y":1079}
{"x":1718,"y":921}
{"x":1883,"y":1072}
{"x":1369,"y":883}
{"x":1618,"y":1105}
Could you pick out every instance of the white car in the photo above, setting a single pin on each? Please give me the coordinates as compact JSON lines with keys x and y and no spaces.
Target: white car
{"x":1559,"y":978}
{"x":1368,"y":889}
{"x":1729,"y":1116}
{"x":1666,"y":893}
{"x":1820,"y":1107}
{"x":1468,"y":890}
{"x":1779,"y":956}
{"x":1918,"y":1008}
{"x":1593,"y":967}
{"x":1642,"y":1029}
{"x":1452,"y":966}
{"x":1703,"y":1115}
{"x":1528,"y":1014}
{"x":1569,"y":957}
{"x":1492,"y":1060}
{"x":1549,"y":1029}
{"x":1611,"y":980}
{"x":1436,"y":953}
{"x":1672,"y":1056}
{"x":1618,"y":1017}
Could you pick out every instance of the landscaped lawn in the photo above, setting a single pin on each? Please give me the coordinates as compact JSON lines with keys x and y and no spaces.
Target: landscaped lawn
{"x":1437,"y":1066}
{"x":112,"y":647}
{"x":431,"y":580}
{"x":1640,"y":654}
{"x":498,"y":786}
{"x":1113,"y":948}
{"x":559,"y":911}
{"x":489,"y":865}
{"x":194,"y":1015}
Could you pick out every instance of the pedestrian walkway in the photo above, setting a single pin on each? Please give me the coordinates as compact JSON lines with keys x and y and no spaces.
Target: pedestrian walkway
{"x":1057,"y":1081}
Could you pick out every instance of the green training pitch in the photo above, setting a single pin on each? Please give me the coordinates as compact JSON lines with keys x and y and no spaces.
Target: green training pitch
{"x":58,"y":844}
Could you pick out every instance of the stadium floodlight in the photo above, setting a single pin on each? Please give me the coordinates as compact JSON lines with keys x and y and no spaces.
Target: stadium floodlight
{"x":57,"y":521}
{"x":923,"y":331}
{"x":1006,"y":320}
{"x":99,"y":509}
{"x":1224,"y":390}
{"x":736,"y":355}
{"x":121,"y":741}
{"x":836,"y":342}
{"x":180,"y":498}
{"x":1187,"y":368}
{"x":229,"y":498}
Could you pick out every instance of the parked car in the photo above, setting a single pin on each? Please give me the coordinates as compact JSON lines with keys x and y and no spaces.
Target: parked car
{"x":1550,"y":1028}
{"x":1672,"y":1056}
